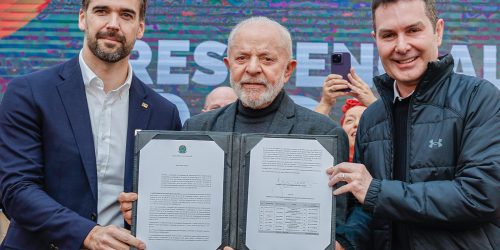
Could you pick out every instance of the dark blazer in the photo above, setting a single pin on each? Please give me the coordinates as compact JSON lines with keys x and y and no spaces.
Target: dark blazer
{"x":289,"y":119}
{"x":48,"y":176}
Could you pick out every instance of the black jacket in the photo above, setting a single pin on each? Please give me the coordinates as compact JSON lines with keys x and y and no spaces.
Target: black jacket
{"x":450,"y":198}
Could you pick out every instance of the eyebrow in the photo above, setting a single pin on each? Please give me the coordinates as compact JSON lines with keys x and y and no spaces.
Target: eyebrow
{"x":416,"y":24}
{"x":104,"y":7}
{"x":131,"y":11}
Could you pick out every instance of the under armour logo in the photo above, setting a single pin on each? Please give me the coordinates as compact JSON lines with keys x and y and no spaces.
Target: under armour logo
{"x":436,"y":144}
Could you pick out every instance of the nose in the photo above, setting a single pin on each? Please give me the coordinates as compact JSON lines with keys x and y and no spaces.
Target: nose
{"x":113,"y":22}
{"x":253,"y":67}
{"x":402,"y":45}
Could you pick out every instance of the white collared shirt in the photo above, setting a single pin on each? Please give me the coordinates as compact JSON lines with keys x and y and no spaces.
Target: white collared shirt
{"x":396,"y":93}
{"x":109,"y":118}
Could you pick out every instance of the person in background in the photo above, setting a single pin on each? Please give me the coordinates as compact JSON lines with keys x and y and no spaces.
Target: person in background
{"x":353,"y":110}
{"x":426,"y":171}
{"x":218,"y":98}
{"x":333,"y":88}
{"x":67,"y":137}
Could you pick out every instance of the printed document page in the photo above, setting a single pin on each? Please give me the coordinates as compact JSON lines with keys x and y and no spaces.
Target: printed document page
{"x":289,"y":201}
{"x":180,"y":191}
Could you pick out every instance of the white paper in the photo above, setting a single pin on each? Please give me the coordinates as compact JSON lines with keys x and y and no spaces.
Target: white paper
{"x":180,"y":202}
{"x":289,"y":201}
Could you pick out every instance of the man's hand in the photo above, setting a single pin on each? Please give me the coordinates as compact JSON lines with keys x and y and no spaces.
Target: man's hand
{"x":357,"y":177}
{"x":359,"y":89}
{"x":126,"y":200}
{"x":338,"y":246}
{"x":111,"y":237}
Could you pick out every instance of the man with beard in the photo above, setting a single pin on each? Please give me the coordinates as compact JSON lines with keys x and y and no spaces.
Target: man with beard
{"x":260,"y":63}
{"x":66,"y":137}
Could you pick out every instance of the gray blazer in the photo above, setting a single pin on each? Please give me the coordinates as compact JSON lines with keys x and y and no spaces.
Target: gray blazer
{"x":289,"y":119}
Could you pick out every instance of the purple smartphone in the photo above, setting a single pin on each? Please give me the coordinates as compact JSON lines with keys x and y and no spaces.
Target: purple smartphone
{"x":341,"y":65}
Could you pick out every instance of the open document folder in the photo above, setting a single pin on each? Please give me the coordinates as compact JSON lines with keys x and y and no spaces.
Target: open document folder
{"x":207,"y":190}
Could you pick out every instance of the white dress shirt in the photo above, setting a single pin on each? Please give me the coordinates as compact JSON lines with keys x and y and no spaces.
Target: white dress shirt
{"x":109,"y":118}
{"x":396,"y":94}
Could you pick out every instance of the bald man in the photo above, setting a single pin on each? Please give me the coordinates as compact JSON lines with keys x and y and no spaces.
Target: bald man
{"x":218,"y":98}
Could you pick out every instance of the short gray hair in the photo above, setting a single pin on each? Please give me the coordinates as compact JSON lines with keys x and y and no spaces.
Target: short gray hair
{"x":284,"y":33}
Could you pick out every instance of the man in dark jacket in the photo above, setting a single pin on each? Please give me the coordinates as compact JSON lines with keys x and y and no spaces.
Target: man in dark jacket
{"x":428,"y":152}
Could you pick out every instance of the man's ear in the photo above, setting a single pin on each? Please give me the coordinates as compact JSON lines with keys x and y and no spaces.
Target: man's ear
{"x":290,"y":67}
{"x":373,"y":35}
{"x":226,"y":62}
{"x":140,"y":32}
{"x":81,"y":20}
{"x":439,"y":31}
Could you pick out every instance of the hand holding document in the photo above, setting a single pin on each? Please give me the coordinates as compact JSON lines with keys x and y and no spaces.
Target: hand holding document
{"x":201,"y":190}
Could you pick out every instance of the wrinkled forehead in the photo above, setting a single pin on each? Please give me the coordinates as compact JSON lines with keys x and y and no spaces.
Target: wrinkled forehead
{"x":261,"y":37}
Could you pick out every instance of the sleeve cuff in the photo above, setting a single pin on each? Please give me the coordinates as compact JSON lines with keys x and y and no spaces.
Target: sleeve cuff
{"x":372,"y":196}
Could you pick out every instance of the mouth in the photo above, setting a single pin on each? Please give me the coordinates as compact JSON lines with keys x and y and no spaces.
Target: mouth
{"x":353,"y":134}
{"x":253,"y":87}
{"x":253,"y":84}
{"x":406,"y":61}
{"x":110,"y":37}
{"x":256,"y":83}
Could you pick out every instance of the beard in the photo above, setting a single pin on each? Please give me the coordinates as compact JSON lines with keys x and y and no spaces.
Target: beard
{"x":253,"y":98}
{"x":109,"y":57}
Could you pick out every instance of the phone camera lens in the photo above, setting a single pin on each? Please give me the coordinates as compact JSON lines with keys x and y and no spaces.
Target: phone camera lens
{"x":337,"y":58}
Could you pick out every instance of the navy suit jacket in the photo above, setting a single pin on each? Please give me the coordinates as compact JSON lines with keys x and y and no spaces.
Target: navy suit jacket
{"x":48,"y":175}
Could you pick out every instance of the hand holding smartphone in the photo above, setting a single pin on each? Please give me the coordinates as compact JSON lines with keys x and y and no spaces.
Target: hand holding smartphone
{"x":341,"y":65}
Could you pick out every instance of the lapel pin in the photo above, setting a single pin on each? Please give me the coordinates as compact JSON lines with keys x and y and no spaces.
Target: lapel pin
{"x":145,"y":105}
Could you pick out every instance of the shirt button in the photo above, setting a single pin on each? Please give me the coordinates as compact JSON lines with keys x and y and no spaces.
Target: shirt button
{"x":93,"y":217}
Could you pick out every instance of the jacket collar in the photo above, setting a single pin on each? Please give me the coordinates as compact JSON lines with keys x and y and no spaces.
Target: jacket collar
{"x":139,"y":113}
{"x":71,"y":69}
{"x":90,"y":79}
{"x":72,"y":92}
{"x":283,"y":120}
